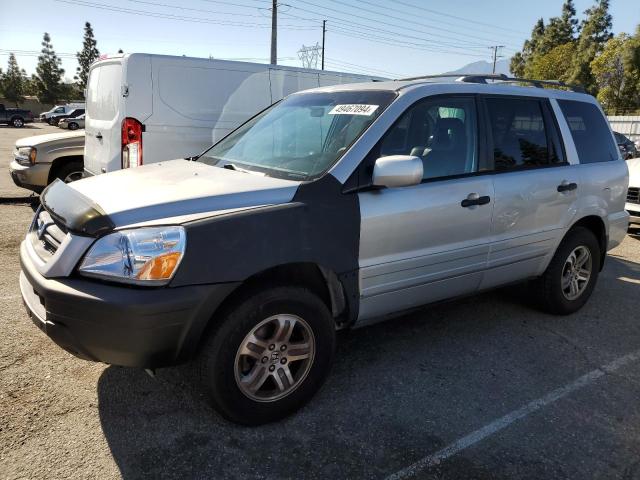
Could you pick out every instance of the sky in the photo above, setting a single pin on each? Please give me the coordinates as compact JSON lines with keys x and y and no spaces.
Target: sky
{"x":389,"y":38}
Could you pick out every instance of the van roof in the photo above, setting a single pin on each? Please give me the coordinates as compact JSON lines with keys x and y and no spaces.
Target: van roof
{"x":127,"y":56}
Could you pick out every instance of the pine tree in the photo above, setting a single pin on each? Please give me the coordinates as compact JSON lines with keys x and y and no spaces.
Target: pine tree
{"x":48,"y":73}
{"x":13,"y":82}
{"x":530,"y":47}
{"x":86,"y":57}
{"x":595,"y":31}
{"x":560,"y":30}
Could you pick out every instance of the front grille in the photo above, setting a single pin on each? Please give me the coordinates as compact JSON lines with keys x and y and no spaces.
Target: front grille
{"x":46,"y":235}
{"x":633,"y":195}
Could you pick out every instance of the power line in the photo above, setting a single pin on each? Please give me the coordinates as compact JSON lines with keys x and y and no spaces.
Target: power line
{"x":367,"y":30}
{"x":356,"y":26}
{"x":178,"y":7}
{"x":435,"y":12}
{"x":397,"y":43}
{"x":456,"y":24}
{"x":395,"y":25}
{"x":363,"y":67}
{"x":169,"y":16}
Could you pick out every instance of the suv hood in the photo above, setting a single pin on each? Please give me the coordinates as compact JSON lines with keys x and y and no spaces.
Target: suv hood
{"x":66,"y":138}
{"x":179,"y":190}
{"x":634,"y":172}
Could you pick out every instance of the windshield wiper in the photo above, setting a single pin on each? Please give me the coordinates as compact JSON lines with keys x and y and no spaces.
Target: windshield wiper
{"x":231,"y":166}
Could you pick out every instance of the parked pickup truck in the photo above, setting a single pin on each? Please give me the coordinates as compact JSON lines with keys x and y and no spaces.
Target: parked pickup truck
{"x":16,"y":117}
{"x":39,"y":160}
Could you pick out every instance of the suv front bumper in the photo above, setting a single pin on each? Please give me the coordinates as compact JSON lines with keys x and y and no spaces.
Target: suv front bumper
{"x":119,"y":325}
{"x":32,"y":177}
{"x":634,"y":212}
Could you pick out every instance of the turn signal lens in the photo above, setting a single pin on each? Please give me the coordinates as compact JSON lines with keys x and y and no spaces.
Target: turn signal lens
{"x":160,"y":267}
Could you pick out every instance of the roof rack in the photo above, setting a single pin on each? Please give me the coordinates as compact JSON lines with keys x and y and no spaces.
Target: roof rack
{"x":502,"y":78}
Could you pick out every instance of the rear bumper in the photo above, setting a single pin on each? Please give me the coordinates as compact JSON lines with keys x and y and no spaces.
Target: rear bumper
{"x":120,"y":325}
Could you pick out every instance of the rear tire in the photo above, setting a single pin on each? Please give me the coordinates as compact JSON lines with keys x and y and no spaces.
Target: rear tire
{"x":73,"y":126}
{"x":258,"y":338}
{"x":571,"y":276}
{"x":17,"y":122}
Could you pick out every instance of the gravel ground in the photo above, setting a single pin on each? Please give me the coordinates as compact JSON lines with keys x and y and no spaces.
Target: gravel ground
{"x":399,"y":392}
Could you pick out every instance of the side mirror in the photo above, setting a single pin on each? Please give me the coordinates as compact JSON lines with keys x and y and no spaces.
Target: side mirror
{"x":397,"y":171}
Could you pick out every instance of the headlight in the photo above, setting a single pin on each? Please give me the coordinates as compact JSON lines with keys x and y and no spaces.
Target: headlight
{"x":26,"y":156}
{"x":143,"y":256}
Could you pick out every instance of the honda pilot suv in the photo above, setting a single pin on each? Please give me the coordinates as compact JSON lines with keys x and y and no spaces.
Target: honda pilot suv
{"x":335,"y":208}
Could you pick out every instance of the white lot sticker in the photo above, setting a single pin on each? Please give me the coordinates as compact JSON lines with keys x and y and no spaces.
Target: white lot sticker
{"x":353,"y":109}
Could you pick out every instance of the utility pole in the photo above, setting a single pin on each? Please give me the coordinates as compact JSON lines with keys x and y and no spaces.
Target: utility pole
{"x":274,"y":32}
{"x":495,"y":56}
{"x":324,"y":32}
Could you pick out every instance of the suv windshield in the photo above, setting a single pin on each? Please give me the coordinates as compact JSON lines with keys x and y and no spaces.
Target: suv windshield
{"x":302,"y":136}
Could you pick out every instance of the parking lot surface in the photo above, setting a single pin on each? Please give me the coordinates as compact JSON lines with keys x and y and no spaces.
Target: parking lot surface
{"x":8,"y":137}
{"x":486,"y":387}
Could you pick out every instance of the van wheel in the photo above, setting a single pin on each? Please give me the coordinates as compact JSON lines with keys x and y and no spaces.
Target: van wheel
{"x":71,"y":172}
{"x":571,"y":276}
{"x":269,"y":355}
{"x":17,"y":122}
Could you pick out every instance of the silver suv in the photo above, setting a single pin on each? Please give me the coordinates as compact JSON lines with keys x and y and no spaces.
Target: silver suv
{"x":334,"y":208}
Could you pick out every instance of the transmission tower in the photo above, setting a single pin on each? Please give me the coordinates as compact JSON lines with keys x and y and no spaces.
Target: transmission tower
{"x":309,"y":56}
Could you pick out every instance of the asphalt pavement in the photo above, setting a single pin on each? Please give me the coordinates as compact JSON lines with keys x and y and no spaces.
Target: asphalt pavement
{"x":485,"y":388}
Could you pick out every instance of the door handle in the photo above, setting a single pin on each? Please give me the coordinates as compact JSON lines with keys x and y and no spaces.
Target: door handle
{"x":567,"y":187}
{"x":473,"y":199}
{"x":99,"y":136}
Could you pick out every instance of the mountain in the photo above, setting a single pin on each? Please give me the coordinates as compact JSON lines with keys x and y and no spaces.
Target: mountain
{"x":502,"y":66}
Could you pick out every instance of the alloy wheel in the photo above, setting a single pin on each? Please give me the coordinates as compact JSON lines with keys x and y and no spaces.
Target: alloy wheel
{"x":274,"y":358}
{"x":576,"y":272}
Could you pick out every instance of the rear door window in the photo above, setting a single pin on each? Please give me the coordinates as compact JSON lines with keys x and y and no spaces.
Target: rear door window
{"x":590,"y":132}
{"x":104,"y":91}
{"x":519,"y":134}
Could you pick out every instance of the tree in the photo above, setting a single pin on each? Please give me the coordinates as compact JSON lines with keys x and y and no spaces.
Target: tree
{"x":595,"y":31}
{"x":86,"y":57}
{"x":560,"y":30}
{"x":48,"y":73}
{"x":13,"y":82}
{"x":519,"y":61}
{"x":553,"y":65}
{"x":631,"y":58}
{"x":616,"y":71}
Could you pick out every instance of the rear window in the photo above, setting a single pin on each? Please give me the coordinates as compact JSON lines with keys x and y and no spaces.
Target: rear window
{"x":103,"y":91}
{"x":590,"y":132}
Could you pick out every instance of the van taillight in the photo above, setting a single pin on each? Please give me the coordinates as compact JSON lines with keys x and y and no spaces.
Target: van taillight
{"x":131,"y":143}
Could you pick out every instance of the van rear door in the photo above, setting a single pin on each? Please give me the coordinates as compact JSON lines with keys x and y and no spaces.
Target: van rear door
{"x":104,"y":116}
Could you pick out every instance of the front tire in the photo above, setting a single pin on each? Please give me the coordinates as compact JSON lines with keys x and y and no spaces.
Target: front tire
{"x":71,"y":172}
{"x":269,"y":355}
{"x":572,"y":274}
{"x":73,"y":126}
{"x":17,"y":122}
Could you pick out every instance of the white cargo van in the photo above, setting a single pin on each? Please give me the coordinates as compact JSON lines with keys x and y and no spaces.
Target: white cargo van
{"x":144,"y":108}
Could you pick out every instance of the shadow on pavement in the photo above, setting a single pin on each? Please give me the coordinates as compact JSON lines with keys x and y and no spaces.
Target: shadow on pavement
{"x":399,"y":390}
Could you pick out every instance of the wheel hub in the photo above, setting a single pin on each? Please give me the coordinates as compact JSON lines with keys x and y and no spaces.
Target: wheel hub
{"x":576,"y":272}
{"x":274,"y":358}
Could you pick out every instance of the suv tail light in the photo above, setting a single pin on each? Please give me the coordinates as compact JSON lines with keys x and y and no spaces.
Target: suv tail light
{"x":131,"y":143}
